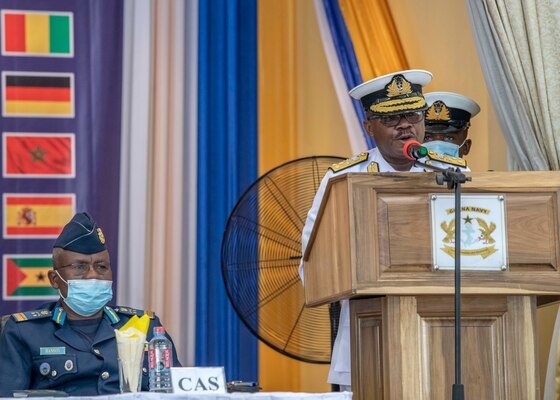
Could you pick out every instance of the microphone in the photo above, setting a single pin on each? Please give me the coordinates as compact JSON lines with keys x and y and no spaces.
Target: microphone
{"x":413,"y":150}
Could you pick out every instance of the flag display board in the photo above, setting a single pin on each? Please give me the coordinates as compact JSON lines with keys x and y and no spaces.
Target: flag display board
{"x":60,"y":82}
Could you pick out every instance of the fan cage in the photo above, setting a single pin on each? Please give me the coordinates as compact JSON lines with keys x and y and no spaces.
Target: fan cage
{"x":261,"y":252}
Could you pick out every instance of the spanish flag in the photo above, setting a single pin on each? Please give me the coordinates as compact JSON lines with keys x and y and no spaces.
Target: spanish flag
{"x":37,"y":33}
{"x":32,"y":155}
{"x":26,"y":277}
{"x":38,"y":94}
{"x":37,"y":215}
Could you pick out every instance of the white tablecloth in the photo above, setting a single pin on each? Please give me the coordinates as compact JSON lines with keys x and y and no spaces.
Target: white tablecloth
{"x":213,"y":396}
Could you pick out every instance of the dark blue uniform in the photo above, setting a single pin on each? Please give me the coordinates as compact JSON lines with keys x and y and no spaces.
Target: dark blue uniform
{"x":38,"y":350}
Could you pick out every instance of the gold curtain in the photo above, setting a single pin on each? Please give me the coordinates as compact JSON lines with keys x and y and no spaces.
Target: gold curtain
{"x":277,"y":141}
{"x":374,"y":36}
{"x":298,"y":116}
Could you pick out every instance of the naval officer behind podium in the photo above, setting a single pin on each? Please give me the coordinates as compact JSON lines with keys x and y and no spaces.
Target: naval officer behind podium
{"x":394,"y":107}
{"x":70,"y":345}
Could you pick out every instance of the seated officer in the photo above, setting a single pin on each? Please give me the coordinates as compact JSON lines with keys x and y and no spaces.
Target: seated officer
{"x":447,"y":123}
{"x":70,"y":345}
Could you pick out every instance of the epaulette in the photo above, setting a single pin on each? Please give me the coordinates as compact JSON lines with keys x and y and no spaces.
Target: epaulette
{"x":349,"y":162}
{"x":459,"y":162}
{"x":373,"y":167}
{"x":30,"y":315}
{"x":133,"y":311}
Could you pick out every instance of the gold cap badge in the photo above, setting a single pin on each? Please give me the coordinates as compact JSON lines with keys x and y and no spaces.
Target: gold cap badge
{"x":398,"y":86}
{"x":101,"y":236}
{"x":438,"y":112}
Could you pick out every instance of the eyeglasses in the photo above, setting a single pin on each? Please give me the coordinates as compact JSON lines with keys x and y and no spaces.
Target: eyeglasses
{"x":81,"y":269}
{"x":393,"y":120}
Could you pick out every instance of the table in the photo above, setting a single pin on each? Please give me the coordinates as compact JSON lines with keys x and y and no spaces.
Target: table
{"x":213,"y":396}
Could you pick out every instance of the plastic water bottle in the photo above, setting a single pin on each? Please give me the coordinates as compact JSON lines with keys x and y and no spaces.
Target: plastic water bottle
{"x":160,"y":362}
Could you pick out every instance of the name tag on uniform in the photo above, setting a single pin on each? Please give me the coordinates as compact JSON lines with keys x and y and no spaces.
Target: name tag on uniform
{"x":198,"y":380}
{"x":49,"y":351}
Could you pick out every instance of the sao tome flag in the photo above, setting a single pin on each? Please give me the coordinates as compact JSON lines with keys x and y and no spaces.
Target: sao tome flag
{"x":38,"y":94}
{"x":25,"y":277}
{"x":36,"y":216}
{"x":37,"y":33}
{"x":32,"y":155}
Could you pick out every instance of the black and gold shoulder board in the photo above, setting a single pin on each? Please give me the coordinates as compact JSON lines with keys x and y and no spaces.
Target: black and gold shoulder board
{"x":373,"y":167}
{"x":349,"y":162}
{"x":459,"y":162}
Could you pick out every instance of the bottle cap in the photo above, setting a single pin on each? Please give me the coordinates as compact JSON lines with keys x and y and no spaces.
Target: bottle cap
{"x":159,"y":330}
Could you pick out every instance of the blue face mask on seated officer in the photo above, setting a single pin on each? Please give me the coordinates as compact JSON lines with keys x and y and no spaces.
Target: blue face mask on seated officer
{"x":441,"y":147}
{"x":87,"y":296}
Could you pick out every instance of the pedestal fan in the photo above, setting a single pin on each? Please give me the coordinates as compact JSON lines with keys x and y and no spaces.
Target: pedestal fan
{"x":261,"y":252}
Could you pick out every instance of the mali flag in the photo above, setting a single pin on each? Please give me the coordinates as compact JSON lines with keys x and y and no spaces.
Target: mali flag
{"x":37,"y":33}
{"x":36,"y":94}
{"x":32,"y":155}
{"x":37,"y":215}
{"x":25,"y":277}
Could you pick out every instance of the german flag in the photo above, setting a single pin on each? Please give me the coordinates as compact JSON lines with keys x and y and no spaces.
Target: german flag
{"x":25,"y":277}
{"x":37,"y":33}
{"x":37,"y":216}
{"x":38,"y":155}
{"x":38,"y":94}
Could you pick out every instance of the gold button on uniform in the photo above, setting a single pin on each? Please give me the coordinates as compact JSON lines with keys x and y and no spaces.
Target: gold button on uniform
{"x":105,"y":375}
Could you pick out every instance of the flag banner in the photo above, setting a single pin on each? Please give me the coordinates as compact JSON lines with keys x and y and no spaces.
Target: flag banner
{"x":38,"y":94}
{"x":25,"y":277}
{"x":37,"y":33}
{"x":34,"y":216}
{"x":38,"y":155}
{"x":61,"y":75}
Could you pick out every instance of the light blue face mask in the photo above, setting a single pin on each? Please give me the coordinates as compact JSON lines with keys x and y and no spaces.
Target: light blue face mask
{"x":87,"y":296}
{"x":441,"y":147}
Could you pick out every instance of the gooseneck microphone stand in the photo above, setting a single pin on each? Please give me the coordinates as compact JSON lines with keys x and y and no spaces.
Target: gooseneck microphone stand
{"x":454,"y":179}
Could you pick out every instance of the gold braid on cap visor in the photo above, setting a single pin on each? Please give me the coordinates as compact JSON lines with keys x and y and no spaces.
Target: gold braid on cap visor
{"x":406,"y":104}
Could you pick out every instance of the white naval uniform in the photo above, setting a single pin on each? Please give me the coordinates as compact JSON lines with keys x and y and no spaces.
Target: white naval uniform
{"x":339,"y":372}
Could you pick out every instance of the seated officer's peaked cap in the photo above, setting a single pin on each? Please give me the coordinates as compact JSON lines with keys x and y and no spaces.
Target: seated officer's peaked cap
{"x":395,"y":93}
{"x":81,"y":235}
{"x":449,"y":112}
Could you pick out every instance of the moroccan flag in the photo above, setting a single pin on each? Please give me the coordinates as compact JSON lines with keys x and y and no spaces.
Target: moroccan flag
{"x":37,"y":33}
{"x":38,"y":94}
{"x":32,"y":155}
{"x":25,"y":277}
{"x":37,"y":215}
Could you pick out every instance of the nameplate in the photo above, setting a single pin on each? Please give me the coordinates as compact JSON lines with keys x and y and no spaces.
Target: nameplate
{"x":48,"y":351}
{"x":198,"y":380}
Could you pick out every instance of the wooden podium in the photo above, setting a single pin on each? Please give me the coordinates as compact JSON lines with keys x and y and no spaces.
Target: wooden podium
{"x":372,"y":244}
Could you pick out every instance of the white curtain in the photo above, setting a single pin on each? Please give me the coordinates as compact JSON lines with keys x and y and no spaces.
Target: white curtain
{"x":518,"y":45}
{"x":134,"y":152}
{"x":517,"y":41}
{"x":188,"y":295}
{"x":157,"y":252}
